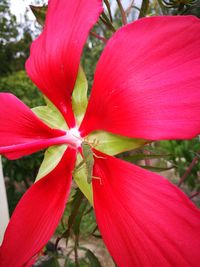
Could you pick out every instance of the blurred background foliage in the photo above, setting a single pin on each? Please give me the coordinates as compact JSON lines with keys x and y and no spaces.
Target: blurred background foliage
{"x":177,"y":160}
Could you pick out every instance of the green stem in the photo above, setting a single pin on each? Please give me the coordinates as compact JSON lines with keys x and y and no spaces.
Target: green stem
{"x":123,"y":14}
{"x":162,"y":7}
{"x":103,"y":39}
{"x":188,"y":171}
{"x":76,"y":251}
{"x":144,"y":8}
{"x":109,"y":9}
{"x":107,"y":22}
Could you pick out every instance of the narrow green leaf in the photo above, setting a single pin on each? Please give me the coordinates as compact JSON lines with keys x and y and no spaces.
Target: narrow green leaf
{"x":79,"y":96}
{"x":52,"y":157}
{"x":75,"y":203}
{"x":75,"y":207}
{"x":94,"y":262}
{"x":113,"y":144}
{"x":109,"y":9}
{"x":156,"y":169}
{"x":80,"y":177}
{"x":40,"y":13}
{"x":136,"y":157}
{"x":107,"y":22}
{"x":78,"y":218}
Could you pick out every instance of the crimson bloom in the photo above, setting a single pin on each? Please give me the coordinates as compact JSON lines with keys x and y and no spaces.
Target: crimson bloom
{"x":145,"y":86}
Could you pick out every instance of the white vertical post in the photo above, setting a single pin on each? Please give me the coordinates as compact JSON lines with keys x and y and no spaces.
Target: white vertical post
{"x":4,"y":215}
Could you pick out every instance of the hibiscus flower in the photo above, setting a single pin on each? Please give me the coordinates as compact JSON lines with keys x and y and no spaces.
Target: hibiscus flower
{"x":145,"y":88}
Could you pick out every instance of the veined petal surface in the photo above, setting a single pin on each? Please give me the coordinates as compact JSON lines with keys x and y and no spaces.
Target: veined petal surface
{"x":55,"y":55}
{"x":37,"y":215}
{"x":21,"y":131}
{"x":146,"y":83}
{"x":145,"y":221}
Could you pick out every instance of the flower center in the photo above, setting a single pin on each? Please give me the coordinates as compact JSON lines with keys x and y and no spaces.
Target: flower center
{"x":73,"y":138}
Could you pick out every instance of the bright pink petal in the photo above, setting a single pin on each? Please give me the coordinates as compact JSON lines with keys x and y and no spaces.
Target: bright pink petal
{"x":37,"y":215}
{"x":21,"y":131}
{"x":146,"y":83}
{"x":143,"y":218}
{"x":55,"y":55}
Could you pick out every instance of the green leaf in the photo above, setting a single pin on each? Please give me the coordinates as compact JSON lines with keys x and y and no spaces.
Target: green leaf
{"x":109,"y":9}
{"x":40,"y":13}
{"x":51,"y":116}
{"x":156,"y":169}
{"x":75,"y":208}
{"x":78,"y":218}
{"x":52,"y":157}
{"x":80,"y":177}
{"x":50,"y":262}
{"x":79,"y":96}
{"x":94,"y":262}
{"x":113,"y":144}
{"x":136,"y":157}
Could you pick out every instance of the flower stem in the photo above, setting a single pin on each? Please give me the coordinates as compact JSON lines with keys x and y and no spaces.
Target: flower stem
{"x":188,"y":171}
{"x":123,"y":13}
{"x":194,"y":195}
{"x":99,"y":37}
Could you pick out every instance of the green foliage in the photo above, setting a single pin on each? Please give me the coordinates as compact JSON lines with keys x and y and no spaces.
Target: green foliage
{"x":91,"y":54}
{"x":182,"y":153}
{"x":8,"y":29}
{"x":8,"y":34}
{"x":19,"y":175}
{"x":80,"y":223}
{"x":15,"y":41}
{"x":193,"y":9}
{"x":40,"y":13}
{"x":20,"y":85}
{"x":94,"y":262}
{"x":177,"y":7}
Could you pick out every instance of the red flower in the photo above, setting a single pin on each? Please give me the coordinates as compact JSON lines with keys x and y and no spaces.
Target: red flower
{"x":145,"y":86}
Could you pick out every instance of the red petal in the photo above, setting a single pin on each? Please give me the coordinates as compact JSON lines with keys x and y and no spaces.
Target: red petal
{"x":144,"y":219}
{"x":146,"y":82}
{"x":55,"y":55}
{"x":37,"y":215}
{"x":21,"y":131}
